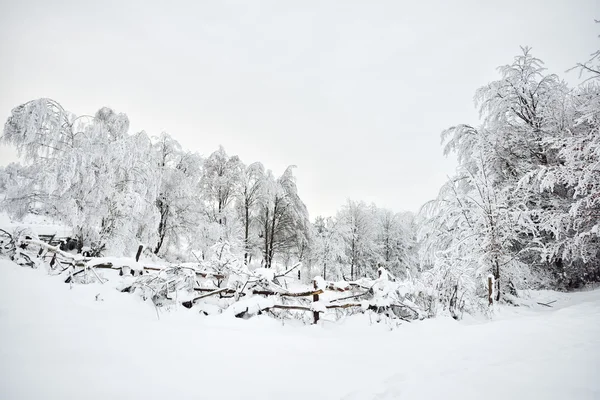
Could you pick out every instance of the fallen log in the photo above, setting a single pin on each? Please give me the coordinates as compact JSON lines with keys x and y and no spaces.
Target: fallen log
{"x":333,"y":306}
{"x":190,"y":303}
{"x":305,"y":308}
{"x":288,"y":307}
{"x":347,"y":305}
{"x":286,"y":294}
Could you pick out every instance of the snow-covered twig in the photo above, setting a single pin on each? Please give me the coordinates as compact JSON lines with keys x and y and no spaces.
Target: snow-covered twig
{"x":546,"y":304}
{"x":289,"y":270}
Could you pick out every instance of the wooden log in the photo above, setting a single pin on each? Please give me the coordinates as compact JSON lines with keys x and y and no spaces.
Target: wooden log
{"x":190,"y":303}
{"x":288,"y":307}
{"x":331,"y":306}
{"x":228,"y":291}
{"x":347,"y":305}
{"x":298,"y":294}
{"x":104,"y":266}
{"x":304,"y":308}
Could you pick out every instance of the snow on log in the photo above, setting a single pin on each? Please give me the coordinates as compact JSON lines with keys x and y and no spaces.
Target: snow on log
{"x":55,"y":249}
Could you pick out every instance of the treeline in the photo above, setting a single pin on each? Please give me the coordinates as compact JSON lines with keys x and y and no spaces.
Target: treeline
{"x":523,"y":206}
{"x":117,"y":189}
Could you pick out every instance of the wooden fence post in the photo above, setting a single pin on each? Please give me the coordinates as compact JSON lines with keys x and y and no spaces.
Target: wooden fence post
{"x":315,"y":299}
{"x":139,"y":253}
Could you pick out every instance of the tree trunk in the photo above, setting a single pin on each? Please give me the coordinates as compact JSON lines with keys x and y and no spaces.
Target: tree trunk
{"x":266,"y":228}
{"x":272,"y":236}
{"x":162,"y":225}
{"x":352,"y":262}
{"x":247,"y":232}
{"x":220,"y":209}
{"x":497,"y":278}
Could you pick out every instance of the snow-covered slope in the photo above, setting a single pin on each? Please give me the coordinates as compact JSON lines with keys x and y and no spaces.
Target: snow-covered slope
{"x":92,"y":342}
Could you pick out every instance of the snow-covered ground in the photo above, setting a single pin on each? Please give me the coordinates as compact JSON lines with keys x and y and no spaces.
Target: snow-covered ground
{"x":92,"y":342}
{"x":37,"y":224}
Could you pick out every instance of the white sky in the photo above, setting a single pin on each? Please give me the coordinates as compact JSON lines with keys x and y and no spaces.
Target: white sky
{"x":355,"y":93}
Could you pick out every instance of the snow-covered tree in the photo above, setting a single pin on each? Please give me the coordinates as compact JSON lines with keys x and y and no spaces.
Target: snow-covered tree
{"x":40,"y":128}
{"x":396,"y":241}
{"x":359,"y":230}
{"x":179,"y":200}
{"x":573,"y":185}
{"x":485,"y":220}
{"x":283,"y":217}
{"x":221,"y":183}
{"x":85,"y":171}
{"x":328,"y":250}
{"x":250,"y":199}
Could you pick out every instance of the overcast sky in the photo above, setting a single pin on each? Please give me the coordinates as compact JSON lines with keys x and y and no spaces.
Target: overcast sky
{"x":355,"y":93}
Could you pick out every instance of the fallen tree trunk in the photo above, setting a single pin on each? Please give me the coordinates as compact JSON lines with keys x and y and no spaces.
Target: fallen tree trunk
{"x":190,"y":303}
{"x":334,"y":306}
{"x":299,"y":294}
